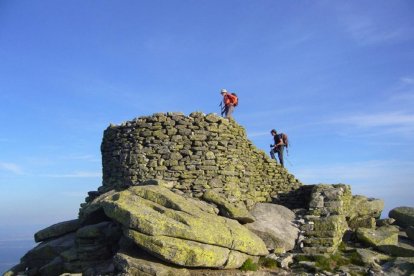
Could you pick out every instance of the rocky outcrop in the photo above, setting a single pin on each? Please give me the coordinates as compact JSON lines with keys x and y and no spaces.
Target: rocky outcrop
{"x":237,"y":211}
{"x":385,"y":235}
{"x":172,"y":228}
{"x":142,"y":264}
{"x":275,"y":226}
{"x":47,"y":254}
{"x":168,"y":226}
{"x":404,"y":216}
{"x":371,"y":258}
{"x":364,"y":211}
{"x":399,"y":266}
{"x":75,"y":252}
{"x":57,"y":230}
{"x":185,"y":195}
{"x":385,"y":221}
{"x":398,"y":250}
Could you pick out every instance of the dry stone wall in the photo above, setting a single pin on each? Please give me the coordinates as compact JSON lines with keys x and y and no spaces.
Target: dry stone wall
{"x":194,"y":153}
{"x":326,"y":220}
{"x":326,"y":211}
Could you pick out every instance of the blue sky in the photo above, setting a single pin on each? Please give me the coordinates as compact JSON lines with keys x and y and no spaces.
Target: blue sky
{"x":336,"y":76}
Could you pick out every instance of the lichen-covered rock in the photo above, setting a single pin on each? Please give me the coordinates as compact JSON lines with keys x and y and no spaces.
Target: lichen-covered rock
{"x":235,"y":211}
{"x":89,"y":248}
{"x":327,"y":200}
{"x":361,"y":206}
{"x":328,"y":226}
{"x":363,"y":212}
{"x":57,"y":230}
{"x":385,"y":235}
{"x":159,"y":182}
{"x":370,"y":257}
{"x":156,"y":216}
{"x":364,"y":222}
{"x":203,"y":205}
{"x":398,"y":250}
{"x":145,"y":266}
{"x":325,"y":222}
{"x":326,"y":234}
{"x":399,"y":266}
{"x":167,"y":222}
{"x":182,"y":252}
{"x":404,"y":216}
{"x":385,"y":221}
{"x":274,"y":225}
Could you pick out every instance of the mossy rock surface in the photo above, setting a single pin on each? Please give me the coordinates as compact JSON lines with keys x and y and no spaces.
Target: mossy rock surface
{"x":364,"y":222}
{"x":188,"y":253}
{"x":170,"y":226}
{"x":370,"y":257}
{"x":144,"y":265}
{"x":398,"y":250}
{"x":362,"y":206}
{"x":182,"y":252}
{"x":385,"y":235}
{"x":400,"y":266}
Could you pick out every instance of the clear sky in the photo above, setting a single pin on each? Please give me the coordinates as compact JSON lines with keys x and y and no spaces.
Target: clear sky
{"x":336,"y":76}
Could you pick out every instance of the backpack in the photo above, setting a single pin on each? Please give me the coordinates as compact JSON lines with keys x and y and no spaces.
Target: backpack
{"x":235,"y":99}
{"x":285,"y":139}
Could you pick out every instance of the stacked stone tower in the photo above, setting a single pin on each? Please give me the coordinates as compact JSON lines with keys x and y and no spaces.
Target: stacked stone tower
{"x":193,"y":153}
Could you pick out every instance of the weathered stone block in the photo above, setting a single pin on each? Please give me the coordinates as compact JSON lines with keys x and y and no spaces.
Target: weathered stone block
{"x":404,"y":216}
{"x":397,"y":250}
{"x":385,"y":235}
{"x":362,"y":206}
{"x":236,"y":211}
{"x":57,"y":230}
{"x":367,"y":222}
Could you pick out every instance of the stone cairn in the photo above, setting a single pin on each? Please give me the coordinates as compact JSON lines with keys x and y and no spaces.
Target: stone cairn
{"x":182,"y":193}
{"x":194,"y":153}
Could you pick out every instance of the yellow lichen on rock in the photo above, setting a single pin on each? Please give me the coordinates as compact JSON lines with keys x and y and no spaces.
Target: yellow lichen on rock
{"x":174,"y":228}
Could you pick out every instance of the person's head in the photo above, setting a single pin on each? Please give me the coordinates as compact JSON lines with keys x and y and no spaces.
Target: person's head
{"x":223,"y":91}
{"x":273,"y":132}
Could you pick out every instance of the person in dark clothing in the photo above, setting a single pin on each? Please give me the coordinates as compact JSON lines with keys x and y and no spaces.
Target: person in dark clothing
{"x":278,"y":146}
